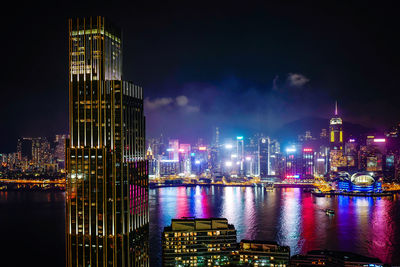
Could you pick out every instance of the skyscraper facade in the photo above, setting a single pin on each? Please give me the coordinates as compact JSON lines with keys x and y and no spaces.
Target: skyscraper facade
{"x":107,"y":212}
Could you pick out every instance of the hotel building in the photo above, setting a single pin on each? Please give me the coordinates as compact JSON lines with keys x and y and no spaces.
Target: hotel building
{"x":107,"y":214}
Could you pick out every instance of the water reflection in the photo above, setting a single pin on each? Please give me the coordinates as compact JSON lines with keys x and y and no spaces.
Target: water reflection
{"x":289,"y":216}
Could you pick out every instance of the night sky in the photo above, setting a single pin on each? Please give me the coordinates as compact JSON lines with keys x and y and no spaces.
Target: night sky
{"x":244,"y":66}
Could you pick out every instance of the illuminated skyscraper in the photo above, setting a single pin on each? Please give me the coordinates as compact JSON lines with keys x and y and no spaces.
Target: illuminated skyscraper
{"x":336,"y":155}
{"x":107,"y":214}
{"x":263,"y":152}
{"x":336,"y":131}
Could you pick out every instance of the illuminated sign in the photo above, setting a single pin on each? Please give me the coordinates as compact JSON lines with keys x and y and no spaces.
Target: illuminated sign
{"x":307,"y":149}
{"x":170,"y":149}
{"x":321,"y":160}
{"x":379,"y":140}
{"x":181,"y":150}
{"x":239,"y":137}
{"x":202,"y":148}
{"x":293,"y":176}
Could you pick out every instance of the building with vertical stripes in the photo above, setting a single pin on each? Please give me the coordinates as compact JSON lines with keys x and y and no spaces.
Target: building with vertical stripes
{"x":107,"y":216}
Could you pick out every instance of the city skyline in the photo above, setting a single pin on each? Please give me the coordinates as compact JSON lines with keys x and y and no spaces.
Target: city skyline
{"x":252,"y":72}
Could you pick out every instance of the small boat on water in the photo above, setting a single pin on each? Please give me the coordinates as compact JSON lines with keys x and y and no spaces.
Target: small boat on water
{"x":330,"y":212}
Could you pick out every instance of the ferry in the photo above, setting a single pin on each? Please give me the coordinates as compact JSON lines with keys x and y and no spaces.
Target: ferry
{"x":330,"y":212}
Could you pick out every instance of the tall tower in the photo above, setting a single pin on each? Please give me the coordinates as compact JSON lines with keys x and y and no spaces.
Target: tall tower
{"x":107,"y":215}
{"x":336,"y":131}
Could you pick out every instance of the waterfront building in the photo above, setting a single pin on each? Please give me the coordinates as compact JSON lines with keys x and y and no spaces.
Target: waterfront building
{"x":307,"y":164}
{"x":107,"y":214}
{"x":359,"y":182}
{"x":262,"y":253}
{"x":198,"y":242}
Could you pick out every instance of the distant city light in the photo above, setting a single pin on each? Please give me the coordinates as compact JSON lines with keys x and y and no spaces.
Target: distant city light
{"x":290,"y":149}
{"x":321,"y":160}
{"x":293,"y":176}
{"x":379,"y":140}
{"x":352,"y":140}
{"x":181,"y":150}
{"x":307,"y":150}
{"x":228,"y":146}
{"x":248,"y":158}
{"x":170,"y":149}
{"x":192,"y":154}
{"x":202,"y":148}
{"x":197,"y":162}
{"x":237,"y":162}
{"x":233,"y":156}
{"x":239,"y":137}
{"x":228,"y":163}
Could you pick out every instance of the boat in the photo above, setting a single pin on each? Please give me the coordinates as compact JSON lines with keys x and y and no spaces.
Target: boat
{"x":330,"y":212}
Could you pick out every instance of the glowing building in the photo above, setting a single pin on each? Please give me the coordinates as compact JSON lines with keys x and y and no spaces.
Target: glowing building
{"x":107,"y":214}
{"x":263,"y":156}
{"x":359,"y":182}
{"x":198,"y":242}
{"x":336,"y":155}
{"x":336,"y":131}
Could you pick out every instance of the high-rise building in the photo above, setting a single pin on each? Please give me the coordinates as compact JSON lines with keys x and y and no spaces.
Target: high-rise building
{"x":336,"y":154}
{"x":263,"y":155}
{"x":107,"y":214}
{"x":336,"y":131}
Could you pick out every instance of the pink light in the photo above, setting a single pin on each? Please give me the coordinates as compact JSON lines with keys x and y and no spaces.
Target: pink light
{"x":352,"y":140}
{"x":307,"y":150}
{"x":379,"y":140}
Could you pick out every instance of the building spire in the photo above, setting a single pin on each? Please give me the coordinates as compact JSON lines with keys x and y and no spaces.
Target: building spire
{"x":336,"y":109}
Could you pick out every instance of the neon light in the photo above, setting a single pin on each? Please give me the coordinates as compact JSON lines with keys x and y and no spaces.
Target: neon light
{"x":170,"y":149}
{"x":379,"y":140}
{"x":352,"y":140}
{"x":239,"y":137}
{"x":192,"y":154}
{"x":293,"y":176}
{"x":332,"y":136}
{"x":307,"y":150}
{"x":202,"y":148}
{"x":321,"y":160}
{"x":181,"y":150}
{"x":341,"y":136}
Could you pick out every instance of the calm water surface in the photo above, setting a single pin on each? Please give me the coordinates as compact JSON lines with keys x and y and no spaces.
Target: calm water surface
{"x":369,"y":226}
{"x":32,"y":223}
